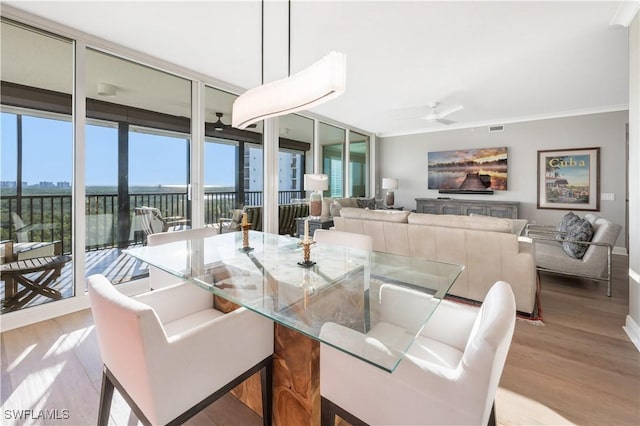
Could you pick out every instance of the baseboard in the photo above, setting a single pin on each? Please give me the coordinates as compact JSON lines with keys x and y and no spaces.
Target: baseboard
{"x":633,"y":331}
{"x":47,"y":311}
{"x":43,"y":312}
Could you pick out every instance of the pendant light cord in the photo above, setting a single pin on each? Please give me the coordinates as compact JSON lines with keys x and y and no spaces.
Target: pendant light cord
{"x":289,"y":47}
{"x":262,"y":42}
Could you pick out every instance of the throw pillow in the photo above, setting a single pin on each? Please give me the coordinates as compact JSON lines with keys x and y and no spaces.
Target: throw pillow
{"x":565,"y":223}
{"x":334,"y":209}
{"x":367,"y":203}
{"x":581,"y":230}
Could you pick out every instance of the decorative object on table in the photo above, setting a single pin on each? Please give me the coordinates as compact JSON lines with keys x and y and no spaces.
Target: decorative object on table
{"x":306,"y":242}
{"x":389,"y":184}
{"x":468,"y":171}
{"x":316,"y":183}
{"x":568,"y":179}
{"x":245,"y":233}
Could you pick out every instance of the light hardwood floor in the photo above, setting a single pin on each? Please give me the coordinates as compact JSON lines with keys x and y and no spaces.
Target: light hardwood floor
{"x":579,"y":368}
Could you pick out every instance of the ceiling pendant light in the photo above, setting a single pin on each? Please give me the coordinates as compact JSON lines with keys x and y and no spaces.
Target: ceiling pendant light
{"x":314,"y":85}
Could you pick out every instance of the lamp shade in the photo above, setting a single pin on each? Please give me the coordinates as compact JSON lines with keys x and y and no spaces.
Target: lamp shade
{"x":316,"y":182}
{"x":389,"y":183}
{"x":318,"y":83}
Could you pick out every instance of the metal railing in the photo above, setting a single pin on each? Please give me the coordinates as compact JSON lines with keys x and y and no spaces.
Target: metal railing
{"x":53,"y":219}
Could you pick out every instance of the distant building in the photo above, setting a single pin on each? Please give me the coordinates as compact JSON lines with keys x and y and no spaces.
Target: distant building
{"x":63,"y":185}
{"x":289,"y":174}
{"x":46,"y":184}
{"x":10,"y":184}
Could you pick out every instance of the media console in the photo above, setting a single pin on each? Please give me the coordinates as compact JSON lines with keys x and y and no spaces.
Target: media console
{"x":508,"y":209}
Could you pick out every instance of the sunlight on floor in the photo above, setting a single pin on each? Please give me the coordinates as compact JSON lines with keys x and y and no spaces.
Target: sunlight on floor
{"x":515,"y":409}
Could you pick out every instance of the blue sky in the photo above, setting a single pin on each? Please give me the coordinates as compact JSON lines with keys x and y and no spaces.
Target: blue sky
{"x":153,"y":160}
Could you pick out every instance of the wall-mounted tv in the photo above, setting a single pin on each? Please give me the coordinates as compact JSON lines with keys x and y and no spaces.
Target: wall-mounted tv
{"x":468,"y":171}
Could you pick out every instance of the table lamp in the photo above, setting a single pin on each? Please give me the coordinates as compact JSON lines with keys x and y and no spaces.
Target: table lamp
{"x":316,"y":183}
{"x":389,"y":184}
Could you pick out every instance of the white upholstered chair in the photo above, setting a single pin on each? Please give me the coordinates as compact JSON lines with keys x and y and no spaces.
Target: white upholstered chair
{"x":449,"y":376}
{"x":159,"y":278}
{"x":171,"y":354}
{"x":344,"y":239}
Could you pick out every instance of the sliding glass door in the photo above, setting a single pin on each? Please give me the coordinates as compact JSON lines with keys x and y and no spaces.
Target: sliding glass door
{"x":37,"y":165}
{"x":137,"y":155}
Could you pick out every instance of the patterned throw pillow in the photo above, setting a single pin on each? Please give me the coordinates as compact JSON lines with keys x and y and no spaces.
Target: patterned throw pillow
{"x":565,"y":223}
{"x":367,"y":203}
{"x":581,"y":230}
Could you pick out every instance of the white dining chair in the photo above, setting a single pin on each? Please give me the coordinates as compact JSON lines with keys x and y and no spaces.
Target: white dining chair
{"x":170,"y":354}
{"x":449,"y":375}
{"x":344,"y":239}
{"x":159,"y":278}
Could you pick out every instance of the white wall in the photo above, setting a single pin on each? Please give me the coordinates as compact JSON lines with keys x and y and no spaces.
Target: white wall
{"x":405,"y":158}
{"x":632,"y":326}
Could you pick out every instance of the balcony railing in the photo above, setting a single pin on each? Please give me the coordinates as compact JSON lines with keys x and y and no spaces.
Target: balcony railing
{"x":53,"y":212}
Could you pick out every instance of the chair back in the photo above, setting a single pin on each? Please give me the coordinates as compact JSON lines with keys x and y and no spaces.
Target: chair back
{"x":18,"y":223}
{"x":344,"y":239}
{"x":129,"y":333}
{"x":150,"y":219}
{"x":159,"y":278}
{"x":486,"y":351}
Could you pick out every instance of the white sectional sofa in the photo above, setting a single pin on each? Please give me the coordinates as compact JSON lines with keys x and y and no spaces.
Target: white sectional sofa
{"x":490,"y":248}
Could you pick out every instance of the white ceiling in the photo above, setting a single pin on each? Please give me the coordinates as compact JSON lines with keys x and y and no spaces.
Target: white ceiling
{"x":504,"y":61}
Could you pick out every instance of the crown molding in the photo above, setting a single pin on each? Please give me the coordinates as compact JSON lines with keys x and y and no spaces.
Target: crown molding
{"x":510,"y":120}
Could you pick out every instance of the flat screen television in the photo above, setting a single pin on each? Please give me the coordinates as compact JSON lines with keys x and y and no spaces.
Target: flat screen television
{"x":469,"y":171}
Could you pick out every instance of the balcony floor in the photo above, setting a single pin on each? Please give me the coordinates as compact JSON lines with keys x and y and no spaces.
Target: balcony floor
{"x":113,"y":263}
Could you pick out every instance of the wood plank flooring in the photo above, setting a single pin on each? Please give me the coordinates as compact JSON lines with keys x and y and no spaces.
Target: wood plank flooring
{"x":579,"y":368}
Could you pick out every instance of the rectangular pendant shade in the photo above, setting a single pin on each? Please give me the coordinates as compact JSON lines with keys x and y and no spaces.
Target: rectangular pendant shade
{"x":318,"y":83}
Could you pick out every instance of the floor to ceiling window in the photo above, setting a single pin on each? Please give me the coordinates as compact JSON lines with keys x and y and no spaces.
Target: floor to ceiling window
{"x":137,"y":149}
{"x":295,"y":157}
{"x":137,"y":155}
{"x":37,"y":164}
{"x":358,"y":164}
{"x":332,"y":141}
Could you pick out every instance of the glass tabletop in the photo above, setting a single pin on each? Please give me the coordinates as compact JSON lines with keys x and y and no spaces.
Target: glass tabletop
{"x":339,"y":300}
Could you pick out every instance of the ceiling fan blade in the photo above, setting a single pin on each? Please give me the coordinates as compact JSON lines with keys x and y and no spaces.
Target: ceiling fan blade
{"x":443,"y":121}
{"x":451,"y":110}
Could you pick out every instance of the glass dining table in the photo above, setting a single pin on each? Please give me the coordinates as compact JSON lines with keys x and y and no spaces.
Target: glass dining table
{"x":339,"y":286}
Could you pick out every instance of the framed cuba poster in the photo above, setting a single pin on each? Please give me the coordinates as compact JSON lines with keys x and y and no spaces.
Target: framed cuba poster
{"x":568,"y":179}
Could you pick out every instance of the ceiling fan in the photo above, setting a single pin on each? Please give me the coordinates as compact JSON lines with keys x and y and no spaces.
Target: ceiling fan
{"x":219,"y":126}
{"x":439,"y":117}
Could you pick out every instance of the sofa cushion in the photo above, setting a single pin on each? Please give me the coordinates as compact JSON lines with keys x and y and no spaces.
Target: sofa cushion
{"x":480,"y":223}
{"x":565,"y":223}
{"x":344,"y":202}
{"x":581,"y":230}
{"x":397,"y":216}
{"x":334,"y":208}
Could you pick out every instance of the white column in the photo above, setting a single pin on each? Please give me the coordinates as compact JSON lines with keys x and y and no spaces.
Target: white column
{"x":78,"y":232}
{"x":347,"y":170}
{"x":270,"y":187}
{"x":197,"y":154}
